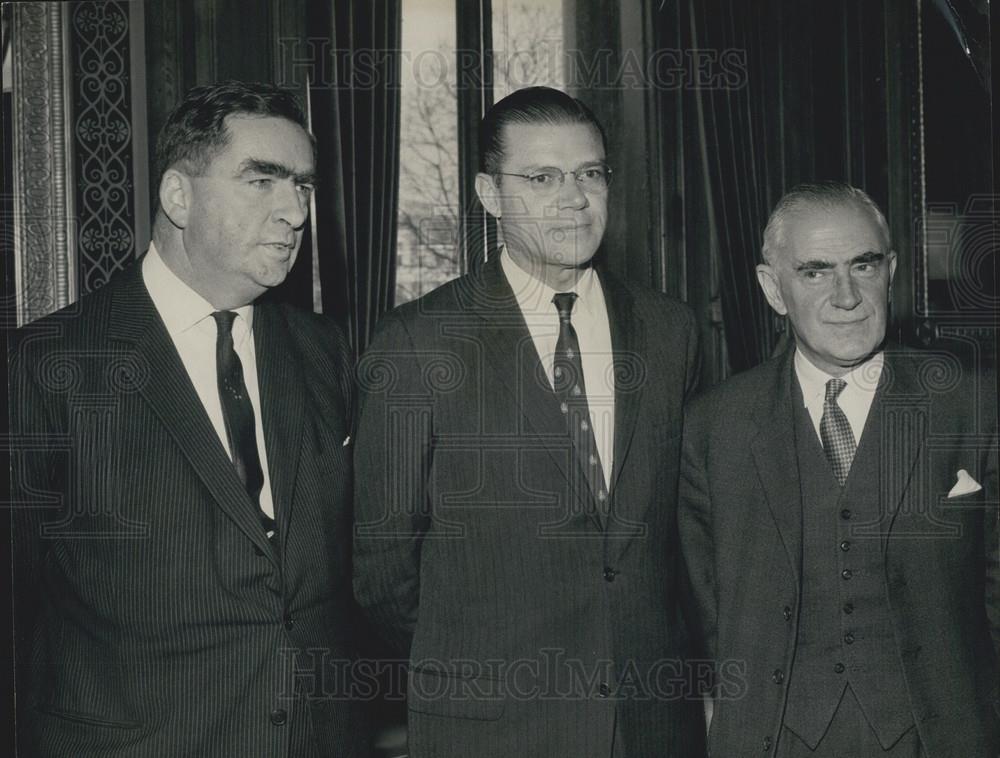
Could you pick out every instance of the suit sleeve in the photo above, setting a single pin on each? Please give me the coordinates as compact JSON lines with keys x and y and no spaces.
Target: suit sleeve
{"x":693,"y":376}
{"x":392,"y":460}
{"x":36,"y":497}
{"x":992,"y":548}
{"x":694,"y":519}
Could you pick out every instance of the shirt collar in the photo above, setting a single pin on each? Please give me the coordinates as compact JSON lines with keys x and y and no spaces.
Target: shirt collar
{"x":535,"y":296}
{"x":180,"y":307}
{"x":861,"y":380}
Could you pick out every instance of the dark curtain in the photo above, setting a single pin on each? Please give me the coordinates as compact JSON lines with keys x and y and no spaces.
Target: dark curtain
{"x":741,"y":157}
{"x":801,"y":96}
{"x":354,"y":105}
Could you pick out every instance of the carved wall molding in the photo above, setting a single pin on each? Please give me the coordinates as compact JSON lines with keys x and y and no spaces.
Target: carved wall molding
{"x":44,"y":217}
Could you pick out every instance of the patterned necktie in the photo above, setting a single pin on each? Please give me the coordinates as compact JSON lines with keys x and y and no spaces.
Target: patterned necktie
{"x":237,"y":413}
{"x":567,"y":381}
{"x":835,"y":432}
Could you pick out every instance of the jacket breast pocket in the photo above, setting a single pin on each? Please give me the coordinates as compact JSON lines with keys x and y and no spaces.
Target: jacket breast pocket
{"x":441,"y":693}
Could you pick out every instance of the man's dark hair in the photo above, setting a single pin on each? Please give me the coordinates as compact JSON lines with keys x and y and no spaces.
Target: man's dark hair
{"x":195,"y":131}
{"x":532,"y":105}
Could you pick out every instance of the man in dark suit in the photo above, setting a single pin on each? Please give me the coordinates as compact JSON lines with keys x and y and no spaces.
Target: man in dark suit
{"x":838,"y":515}
{"x":181,"y":485}
{"x":517,"y":459}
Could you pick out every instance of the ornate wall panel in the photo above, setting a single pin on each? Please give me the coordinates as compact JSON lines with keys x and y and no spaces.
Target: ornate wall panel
{"x":79,"y":215}
{"x":102,"y":129}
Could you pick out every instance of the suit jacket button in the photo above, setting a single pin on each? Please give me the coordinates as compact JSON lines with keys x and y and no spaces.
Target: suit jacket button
{"x":609,"y":574}
{"x":767,"y":744}
{"x":839,"y":668}
{"x":289,"y":621}
{"x":787,"y":613}
{"x":777,"y":677}
{"x":279,"y":716}
{"x":604,"y":690}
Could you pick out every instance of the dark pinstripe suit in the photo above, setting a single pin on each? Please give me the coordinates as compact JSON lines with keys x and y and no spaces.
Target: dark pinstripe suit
{"x":534,"y":626}
{"x":154,"y":617}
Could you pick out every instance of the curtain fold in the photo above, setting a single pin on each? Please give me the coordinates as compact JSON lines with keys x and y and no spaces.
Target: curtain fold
{"x":741,"y":146}
{"x":354,"y":107}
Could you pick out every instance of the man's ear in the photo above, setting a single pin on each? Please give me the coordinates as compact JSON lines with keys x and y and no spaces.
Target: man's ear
{"x":489,"y":193}
{"x":767,"y":277}
{"x":175,"y":197}
{"x":892,"y":265}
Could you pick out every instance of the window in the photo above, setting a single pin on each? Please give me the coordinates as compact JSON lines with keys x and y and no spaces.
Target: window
{"x":427,"y":249}
{"x":527,"y":45}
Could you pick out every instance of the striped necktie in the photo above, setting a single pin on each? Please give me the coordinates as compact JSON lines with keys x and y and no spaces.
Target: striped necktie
{"x":567,"y":381}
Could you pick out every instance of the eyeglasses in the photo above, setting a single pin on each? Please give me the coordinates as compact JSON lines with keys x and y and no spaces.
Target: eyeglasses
{"x":594,"y":178}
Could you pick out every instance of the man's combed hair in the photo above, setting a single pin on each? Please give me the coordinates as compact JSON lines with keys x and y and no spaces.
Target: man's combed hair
{"x":531,"y":105}
{"x":195,"y":131}
{"x":804,"y":197}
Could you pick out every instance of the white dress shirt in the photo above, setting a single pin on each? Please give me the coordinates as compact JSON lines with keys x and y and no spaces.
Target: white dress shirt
{"x":593,"y":331}
{"x":188,"y":318}
{"x":855,"y":400}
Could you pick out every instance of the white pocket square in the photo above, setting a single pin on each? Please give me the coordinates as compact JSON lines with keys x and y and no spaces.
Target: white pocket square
{"x":347,"y":441}
{"x":964,"y":485}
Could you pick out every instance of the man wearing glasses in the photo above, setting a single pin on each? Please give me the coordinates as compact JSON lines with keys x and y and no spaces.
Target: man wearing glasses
{"x":517,"y":457}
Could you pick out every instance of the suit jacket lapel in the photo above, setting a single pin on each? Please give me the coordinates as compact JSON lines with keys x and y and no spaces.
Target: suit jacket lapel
{"x":511,"y":352}
{"x":901,"y":423}
{"x":158,"y":375}
{"x":628,"y":345}
{"x":776,"y":460}
{"x":282,"y":401}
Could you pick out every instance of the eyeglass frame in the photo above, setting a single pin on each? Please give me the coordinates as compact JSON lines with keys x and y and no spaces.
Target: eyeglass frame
{"x":562,"y":175}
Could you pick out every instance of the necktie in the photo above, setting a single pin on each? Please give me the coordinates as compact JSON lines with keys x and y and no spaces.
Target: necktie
{"x":835,"y":432}
{"x":567,"y":381}
{"x":238,"y":414}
